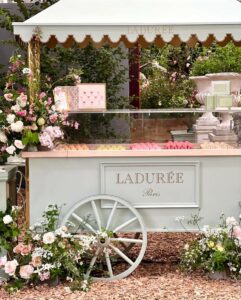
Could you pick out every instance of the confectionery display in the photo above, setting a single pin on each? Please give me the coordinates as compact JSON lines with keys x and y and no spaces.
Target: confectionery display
{"x":178,"y":145}
{"x":111,"y":147}
{"x":72,"y":147}
{"x":216,"y":145}
{"x":145,"y":146}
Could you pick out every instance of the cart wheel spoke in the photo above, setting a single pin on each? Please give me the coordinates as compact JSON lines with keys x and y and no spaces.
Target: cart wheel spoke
{"x":108,"y":262}
{"x":111,"y":215}
{"x":122,"y":226}
{"x":78,"y":218}
{"x":121,"y":254}
{"x":92,"y":262}
{"x":97,"y":217}
{"x":127,"y":240}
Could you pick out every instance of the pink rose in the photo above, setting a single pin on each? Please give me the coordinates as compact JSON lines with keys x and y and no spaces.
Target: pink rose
{"x":18,"y":248}
{"x":26,"y":250}
{"x":44,"y":276}
{"x":10,"y":267}
{"x":237,"y":232}
{"x":26,"y":271}
{"x":8,"y":97}
{"x":21,"y":113}
{"x":53,"y":118}
{"x":3,"y":261}
{"x":22,"y":249}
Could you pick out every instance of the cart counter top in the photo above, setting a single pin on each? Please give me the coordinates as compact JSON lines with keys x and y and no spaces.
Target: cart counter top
{"x":132,"y":153}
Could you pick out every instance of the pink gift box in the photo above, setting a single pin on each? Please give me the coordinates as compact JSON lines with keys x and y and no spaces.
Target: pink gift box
{"x":82,"y":97}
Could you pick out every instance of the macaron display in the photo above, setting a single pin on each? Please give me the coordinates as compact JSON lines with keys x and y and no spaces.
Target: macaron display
{"x":73,"y":147}
{"x":178,"y":145}
{"x":110,"y":147}
{"x":145,"y":146}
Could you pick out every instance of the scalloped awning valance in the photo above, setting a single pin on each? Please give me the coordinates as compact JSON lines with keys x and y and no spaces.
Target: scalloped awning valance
{"x":131,"y":21}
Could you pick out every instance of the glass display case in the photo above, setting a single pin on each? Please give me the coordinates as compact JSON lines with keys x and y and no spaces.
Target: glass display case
{"x":154,"y":129}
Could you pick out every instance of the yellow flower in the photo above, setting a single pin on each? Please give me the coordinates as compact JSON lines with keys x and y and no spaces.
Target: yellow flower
{"x":41,"y":121}
{"x":219,"y":248}
{"x":211,"y":244}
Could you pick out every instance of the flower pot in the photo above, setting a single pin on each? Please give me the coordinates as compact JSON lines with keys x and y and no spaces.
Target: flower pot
{"x":32,"y":148}
{"x":218,"y":275}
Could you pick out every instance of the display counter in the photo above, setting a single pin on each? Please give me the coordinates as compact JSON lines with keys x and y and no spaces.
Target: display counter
{"x":162,"y":184}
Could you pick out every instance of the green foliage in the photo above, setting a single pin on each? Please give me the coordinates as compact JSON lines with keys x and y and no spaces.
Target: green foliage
{"x":163,"y":92}
{"x":167,"y":71}
{"x":9,"y":231}
{"x":30,"y":138}
{"x":218,"y":59}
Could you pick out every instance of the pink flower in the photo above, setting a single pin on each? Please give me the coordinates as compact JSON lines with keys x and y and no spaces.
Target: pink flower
{"x":53,"y":118}
{"x":10,"y":267}
{"x":42,"y":95}
{"x":26,"y":250}
{"x":8,"y":97}
{"x":44,"y":276}
{"x":22,"y":100}
{"x":3,"y":261}
{"x":237,"y":232}
{"x":21,"y":113}
{"x":49,"y":101}
{"x":26,"y":271}
{"x":22,"y":249}
{"x":18,"y":248}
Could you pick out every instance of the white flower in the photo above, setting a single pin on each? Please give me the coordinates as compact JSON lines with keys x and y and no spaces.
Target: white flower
{"x":16,"y":108}
{"x":186,"y":247}
{"x":1,"y":111}
{"x":16,"y":208}
{"x":11,"y":149}
{"x":37,"y":237}
{"x":240,"y":216}
{"x":10,"y":118}
{"x":7,"y":219}
{"x":48,"y":238}
{"x":17,"y":126}
{"x":18,"y":144}
{"x":231,"y":221}
{"x":3,"y":137}
{"x":26,"y":71}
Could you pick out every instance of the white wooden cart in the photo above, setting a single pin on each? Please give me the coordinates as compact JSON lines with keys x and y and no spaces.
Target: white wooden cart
{"x":74,"y":177}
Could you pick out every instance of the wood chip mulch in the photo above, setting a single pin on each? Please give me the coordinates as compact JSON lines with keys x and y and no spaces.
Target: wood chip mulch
{"x":157,"y":277}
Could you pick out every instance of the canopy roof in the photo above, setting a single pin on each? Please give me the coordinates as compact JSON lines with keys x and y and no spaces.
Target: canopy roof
{"x":130,"y":21}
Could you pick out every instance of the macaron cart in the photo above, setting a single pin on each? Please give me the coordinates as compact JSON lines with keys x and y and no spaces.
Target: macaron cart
{"x":126,"y":190}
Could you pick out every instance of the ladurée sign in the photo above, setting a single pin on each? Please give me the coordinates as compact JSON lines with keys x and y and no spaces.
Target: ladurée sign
{"x":172,"y":184}
{"x":150,"y":178}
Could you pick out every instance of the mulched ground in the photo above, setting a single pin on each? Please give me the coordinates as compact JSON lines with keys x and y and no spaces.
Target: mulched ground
{"x":157,"y":278}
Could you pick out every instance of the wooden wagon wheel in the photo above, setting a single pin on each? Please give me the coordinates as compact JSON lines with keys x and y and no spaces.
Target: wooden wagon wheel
{"x":119,"y":217}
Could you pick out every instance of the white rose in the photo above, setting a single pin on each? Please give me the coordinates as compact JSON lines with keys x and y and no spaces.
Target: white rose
{"x":7,"y":219}
{"x":231,"y":221}
{"x":3,"y":137}
{"x":48,"y":238}
{"x":17,"y":126}
{"x":11,"y":149}
{"x":10,"y":118}
{"x":16,"y":108}
{"x":18,"y":144}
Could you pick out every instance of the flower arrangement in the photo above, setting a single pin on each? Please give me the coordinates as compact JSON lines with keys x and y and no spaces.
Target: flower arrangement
{"x":218,"y":249}
{"x":23,"y":123}
{"x":44,"y":252}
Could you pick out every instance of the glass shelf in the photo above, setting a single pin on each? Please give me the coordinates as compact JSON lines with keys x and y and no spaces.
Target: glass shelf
{"x":157,"y":111}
